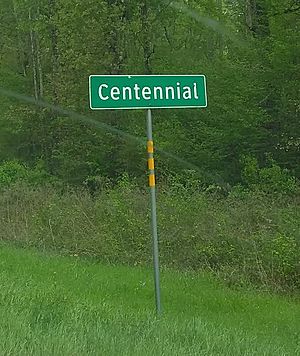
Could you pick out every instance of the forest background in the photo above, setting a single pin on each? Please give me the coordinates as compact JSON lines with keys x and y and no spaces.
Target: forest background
{"x":241,"y":150}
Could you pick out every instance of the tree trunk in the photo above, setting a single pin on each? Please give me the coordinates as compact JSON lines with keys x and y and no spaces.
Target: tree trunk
{"x":39,"y":66}
{"x":249,"y":11}
{"x":148,"y":48}
{"x":115,"y":43}
{"x":21,"y":52}
{"x":257,"y":18}
{"x":220,"y":39}
{"x":54,"y":48}
{"x":33,"y":57}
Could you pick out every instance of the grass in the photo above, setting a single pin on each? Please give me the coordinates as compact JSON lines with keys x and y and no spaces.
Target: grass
{"x":52,"y":305}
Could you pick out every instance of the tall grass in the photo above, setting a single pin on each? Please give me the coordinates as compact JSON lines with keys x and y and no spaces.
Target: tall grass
{"x":52,"y":305}
{"x":252,"y":238}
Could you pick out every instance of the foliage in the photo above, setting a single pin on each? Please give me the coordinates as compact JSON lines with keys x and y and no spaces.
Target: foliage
{"x":247,"y":49}
{"x":12,"y":172}
{"x":252,"y":239}
{"x":270,"y":179}
{"x":228,"y":175}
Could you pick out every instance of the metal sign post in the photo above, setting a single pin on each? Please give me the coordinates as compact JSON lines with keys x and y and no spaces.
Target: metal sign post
{"x":150,"y":149}
{"x":120,"y":92}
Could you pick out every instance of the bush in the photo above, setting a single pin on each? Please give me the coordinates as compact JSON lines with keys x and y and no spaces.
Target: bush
{"x":12,"y":172}
{"x":254,"y":239}
{"x":270,"y":179}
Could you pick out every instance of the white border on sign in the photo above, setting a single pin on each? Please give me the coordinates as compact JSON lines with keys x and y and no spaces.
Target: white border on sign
{"x":150,"y":75}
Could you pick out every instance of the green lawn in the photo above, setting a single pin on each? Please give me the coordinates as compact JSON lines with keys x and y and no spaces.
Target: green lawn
{"x":51,"y":305}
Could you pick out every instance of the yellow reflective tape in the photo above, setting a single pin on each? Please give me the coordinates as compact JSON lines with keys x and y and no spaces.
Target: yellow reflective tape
{"x":150,"y":146}
{"x":151,"y":180}
{"x":151,"y":164}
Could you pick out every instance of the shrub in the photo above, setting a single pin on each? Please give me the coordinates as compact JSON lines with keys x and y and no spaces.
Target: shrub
{"x":254,"y":240}
{"x":12,"y":172}
{"x":269,"y":179}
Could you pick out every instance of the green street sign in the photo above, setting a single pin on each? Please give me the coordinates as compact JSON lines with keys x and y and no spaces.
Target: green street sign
{"x":147,"y":91}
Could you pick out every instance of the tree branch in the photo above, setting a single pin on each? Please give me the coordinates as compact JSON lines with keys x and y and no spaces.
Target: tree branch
{"x":290,"y":10}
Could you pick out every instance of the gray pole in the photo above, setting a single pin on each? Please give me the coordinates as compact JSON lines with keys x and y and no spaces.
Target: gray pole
{"x":153,"y":210}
